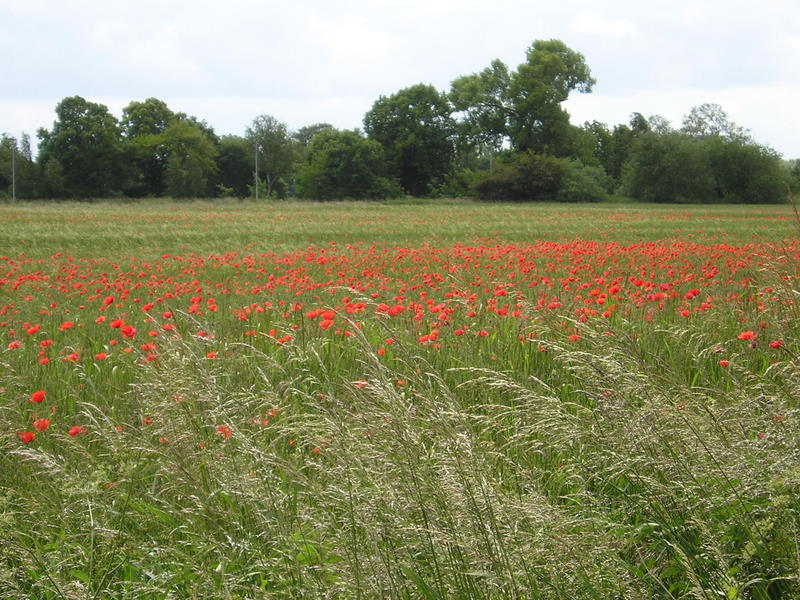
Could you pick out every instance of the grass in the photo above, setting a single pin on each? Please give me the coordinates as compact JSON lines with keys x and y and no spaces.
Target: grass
{"x":357,"y":400}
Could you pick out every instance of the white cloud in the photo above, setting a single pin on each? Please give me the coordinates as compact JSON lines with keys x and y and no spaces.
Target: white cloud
{"x":26,"y":8}
{"x":26,"y":116}
{"x":596,"y":24}
{"x":162,"y":52}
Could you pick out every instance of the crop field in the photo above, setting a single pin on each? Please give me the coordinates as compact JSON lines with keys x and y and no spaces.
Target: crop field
{"x":435,"y":401}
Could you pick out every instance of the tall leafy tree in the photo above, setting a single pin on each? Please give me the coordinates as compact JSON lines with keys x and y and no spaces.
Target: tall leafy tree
{"x":86,"y":142}
{"x":599,"y":139}
{"x":143,"y":124}
{"x":191,"y":156}
{"x":480,"y":98}
{"x":793,"y":167}
{"x":710,"y":120}
{"x":149,"y":117}
{"x":235,"y":164}
{"x":416,"y":130}
{"x":304,"y":135}
{"x":276,"y":151}
{"x":302,"y":139}
{"x":524,"y":106}
{"x":617,"y":156}
{"x":670,"y":168}
{"x":344,"y":164}
{"x":746,"y":172}
{"x":51,"y":180}
{"x":17,"y":168}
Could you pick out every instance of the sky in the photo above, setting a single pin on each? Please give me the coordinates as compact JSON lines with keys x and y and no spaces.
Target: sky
{"x":311,"y":61}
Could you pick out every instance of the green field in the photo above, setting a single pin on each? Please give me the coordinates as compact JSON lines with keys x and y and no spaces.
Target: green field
{"x":419,"y":400}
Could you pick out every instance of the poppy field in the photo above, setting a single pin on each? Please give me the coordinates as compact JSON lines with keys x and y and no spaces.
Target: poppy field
{"x":454,"y":400}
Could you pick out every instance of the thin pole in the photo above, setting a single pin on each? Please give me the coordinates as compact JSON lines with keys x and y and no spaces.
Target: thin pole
{"x":13,"y":169}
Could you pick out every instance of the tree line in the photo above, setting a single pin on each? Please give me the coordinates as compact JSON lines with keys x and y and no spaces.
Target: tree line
{"x":497,"y":134}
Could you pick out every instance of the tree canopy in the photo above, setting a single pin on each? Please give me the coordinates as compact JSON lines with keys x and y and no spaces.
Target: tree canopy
{"x":276,"y":151}
{"x":85,"y":143}
{"x":524,"y":106}
{"x":344,"y":164}
{"x":416,"y":131}
{"x":495,"y":133}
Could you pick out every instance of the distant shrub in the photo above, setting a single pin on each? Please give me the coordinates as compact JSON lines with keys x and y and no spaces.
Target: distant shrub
{"x":746,"y":173}
{"x":584,"y":183}
{"x":683,"y":168}
{"x":669,"y":168}
{"x":458,"y":184}
{"x":522,"y":177}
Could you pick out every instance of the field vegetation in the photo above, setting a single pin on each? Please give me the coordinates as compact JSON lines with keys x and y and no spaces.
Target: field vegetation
{"x":389,"y":400}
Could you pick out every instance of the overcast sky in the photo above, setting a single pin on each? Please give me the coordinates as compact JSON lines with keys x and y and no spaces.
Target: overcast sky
{"x":329,"y":60}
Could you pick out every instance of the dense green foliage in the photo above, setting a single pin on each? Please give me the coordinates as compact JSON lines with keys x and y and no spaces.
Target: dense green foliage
{"x":85,"y":144}
{"x":416,"y":130}
{"x":434,"y":143}
{"x":523,"y":107}
{"x":17,"y":168}
{"x":344,"y":164}
{"x":235,"y":166}
{"x":676,"y":167}
{"x":271,"y":141}
{"x":523,"y":176}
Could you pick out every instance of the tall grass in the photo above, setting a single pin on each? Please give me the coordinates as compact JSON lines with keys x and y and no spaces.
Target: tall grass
{"x":625,"y":462}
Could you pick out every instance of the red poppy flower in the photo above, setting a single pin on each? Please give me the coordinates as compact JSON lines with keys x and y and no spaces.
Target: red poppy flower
{"x":41,"y":424}
{"x":37,"y":397}
{"x":76,"y":430}
{"x":26,"y":437}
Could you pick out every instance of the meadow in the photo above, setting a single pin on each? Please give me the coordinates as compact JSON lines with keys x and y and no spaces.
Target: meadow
{"x":419,"y":400}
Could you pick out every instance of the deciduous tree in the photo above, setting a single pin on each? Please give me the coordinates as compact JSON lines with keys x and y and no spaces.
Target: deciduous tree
{"x":276,"y":151}
{"x":190,"y":162}
{"x":143,"y":124}
{"x":524,"y":106}
{"x":86,"y":142}
{"x":17,"y":168}
{"x":416,"y":131}
{"x":235,"y":164}
{"x":710,"y":120}
{"x":344,"y":164}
